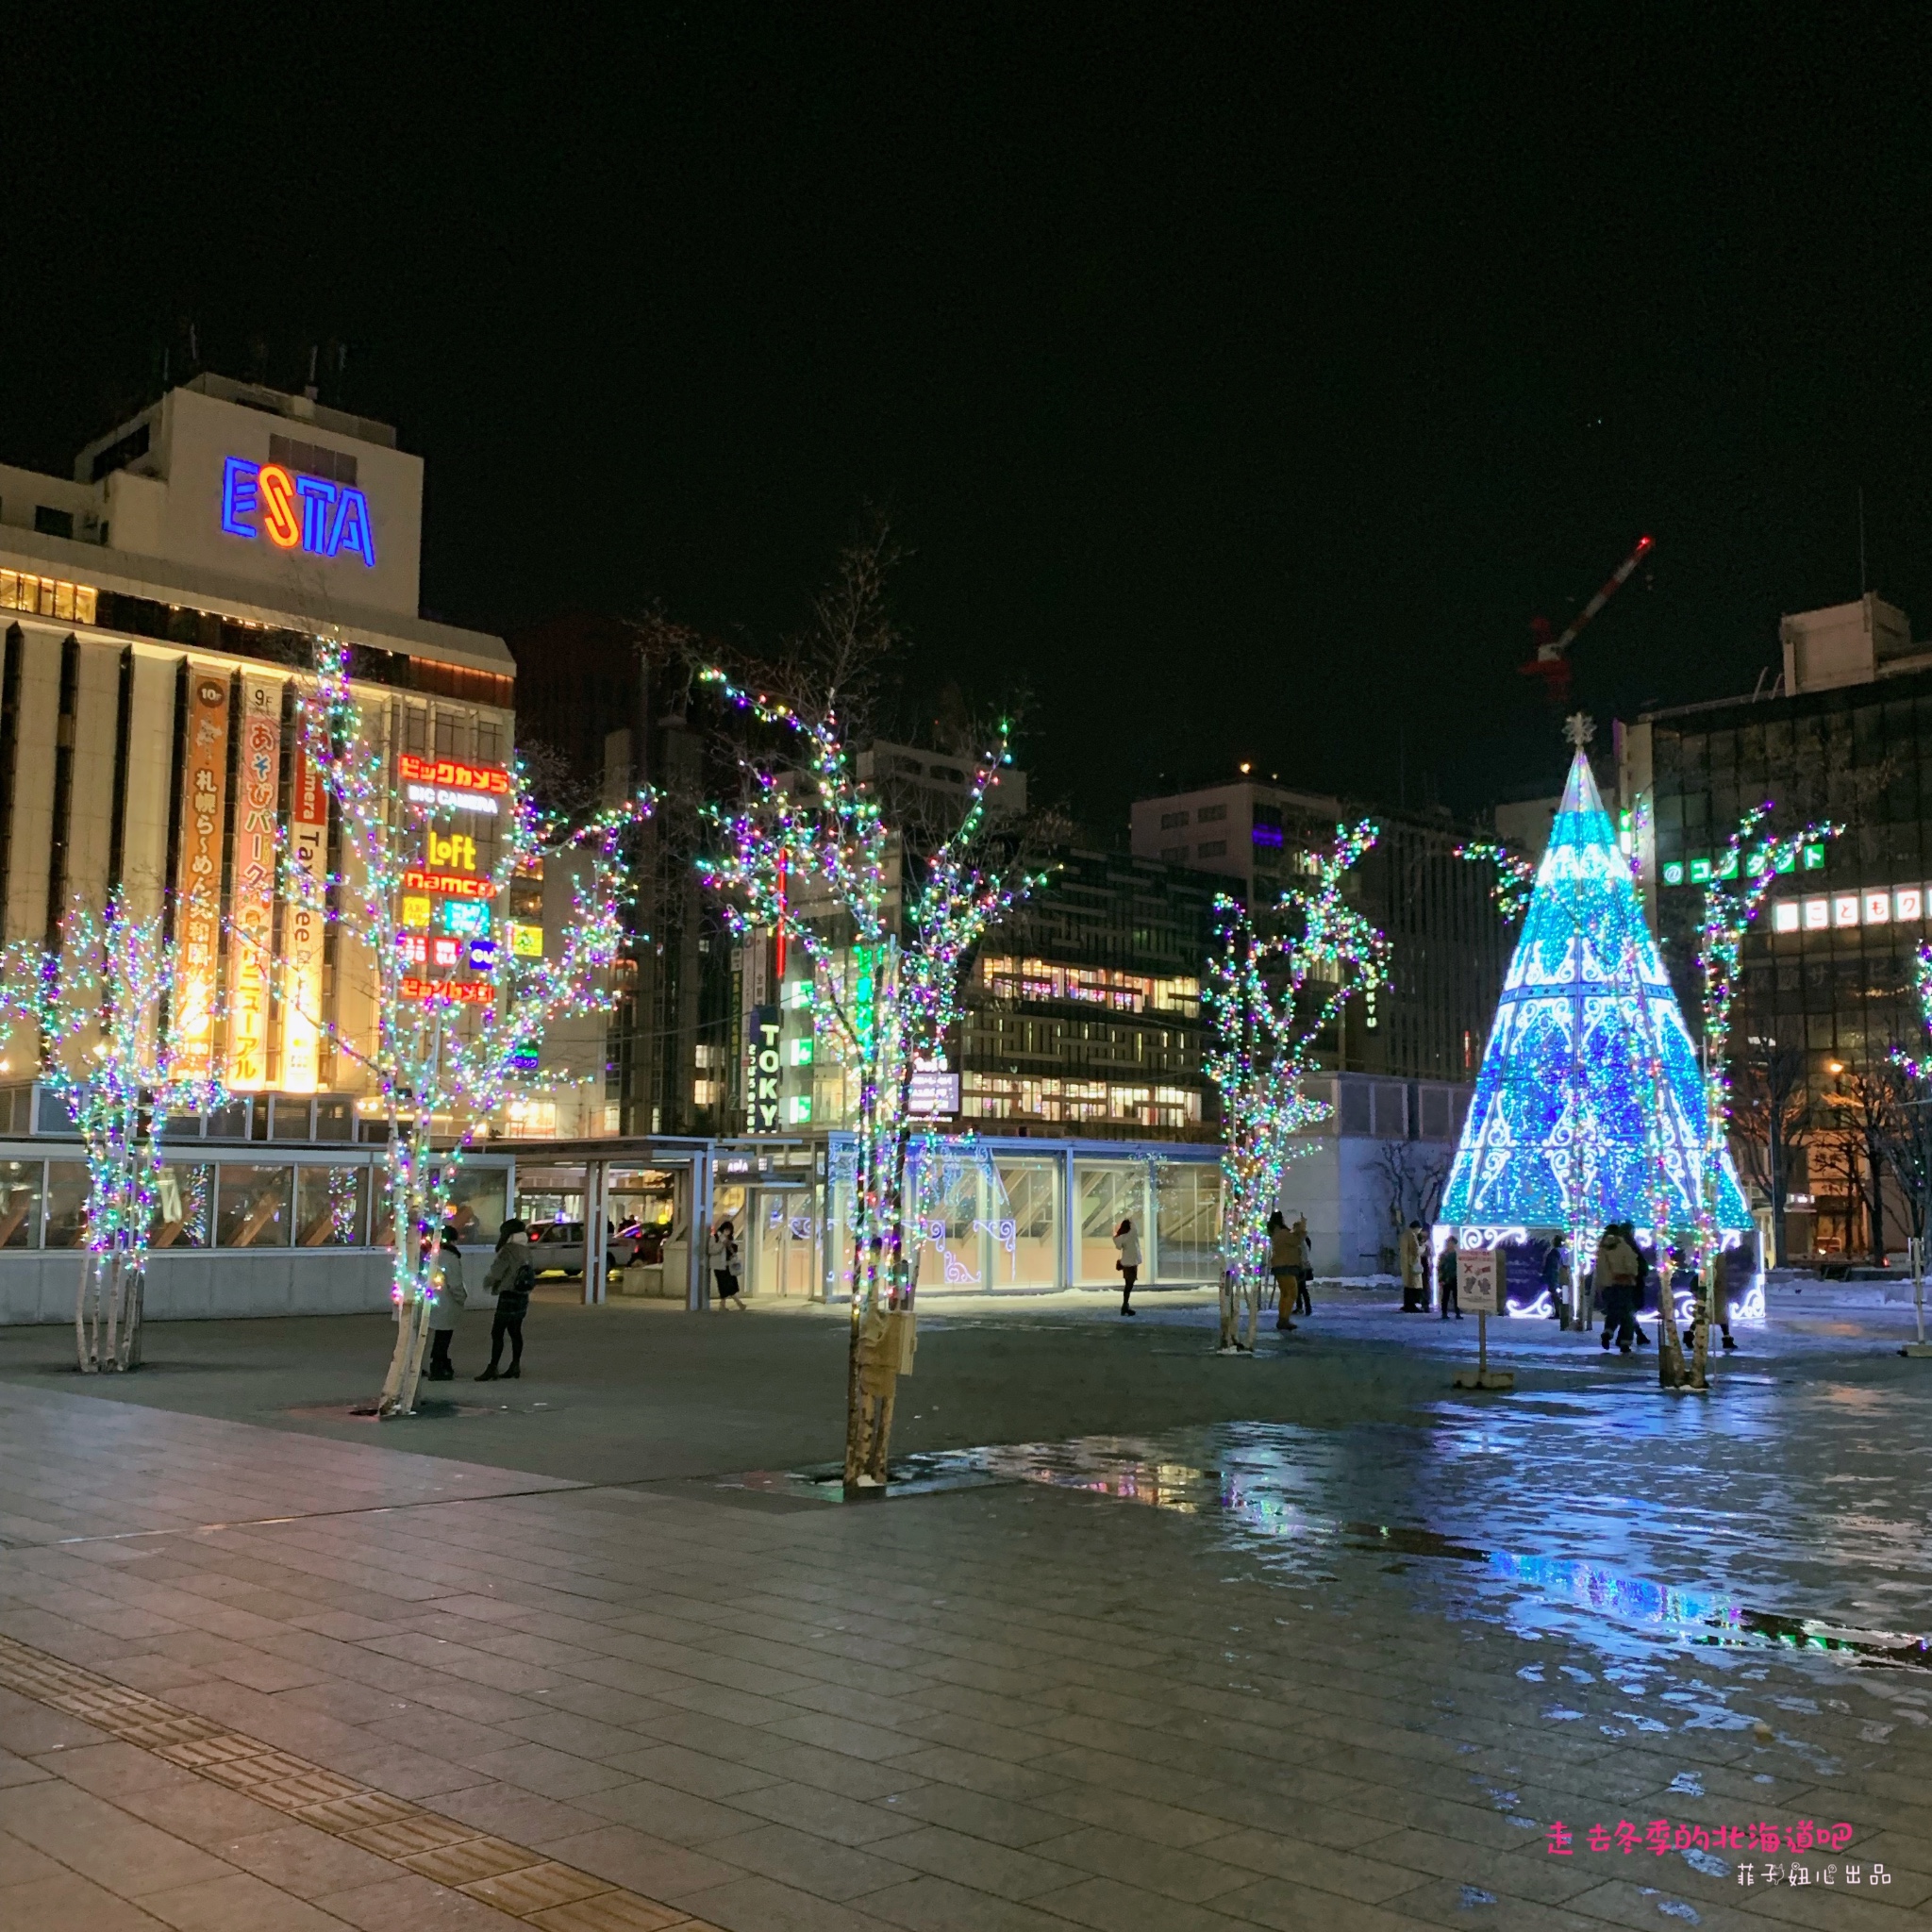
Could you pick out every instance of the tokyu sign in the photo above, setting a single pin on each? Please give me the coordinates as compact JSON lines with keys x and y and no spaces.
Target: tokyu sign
{"x":295,"y":511}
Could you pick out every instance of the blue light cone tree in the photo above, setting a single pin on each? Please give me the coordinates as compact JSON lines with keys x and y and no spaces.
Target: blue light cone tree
{"x":1591,"y":1105}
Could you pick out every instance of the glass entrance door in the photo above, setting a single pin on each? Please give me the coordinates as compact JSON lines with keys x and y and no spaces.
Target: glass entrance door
{"x":785,"y":1259}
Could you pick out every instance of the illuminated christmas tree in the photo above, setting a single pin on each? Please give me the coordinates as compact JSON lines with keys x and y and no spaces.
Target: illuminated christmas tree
{"x":1591,"y":1105}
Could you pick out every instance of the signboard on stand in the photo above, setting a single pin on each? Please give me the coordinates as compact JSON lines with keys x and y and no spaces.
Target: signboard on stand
{"x":1479,"y":1284}
{"x":1478,"y":1281}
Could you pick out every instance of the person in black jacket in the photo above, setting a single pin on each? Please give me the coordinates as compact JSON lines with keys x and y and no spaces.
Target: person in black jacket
{"x":510,"y":1279}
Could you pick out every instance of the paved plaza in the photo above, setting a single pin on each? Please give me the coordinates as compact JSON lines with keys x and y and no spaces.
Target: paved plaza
{"x":1156,"y":1641}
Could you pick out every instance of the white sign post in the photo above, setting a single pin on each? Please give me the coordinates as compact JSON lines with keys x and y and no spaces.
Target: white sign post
{"x":1480,"y":1281}
{"x":1920,"y":1347}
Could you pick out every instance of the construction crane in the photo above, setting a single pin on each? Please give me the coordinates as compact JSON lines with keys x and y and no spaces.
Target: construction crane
{"x":1552,"y":660}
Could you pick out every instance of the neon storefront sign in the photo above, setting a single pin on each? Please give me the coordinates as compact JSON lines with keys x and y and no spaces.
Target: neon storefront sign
{"x":297,"y":511}
{"x":451,"y":785}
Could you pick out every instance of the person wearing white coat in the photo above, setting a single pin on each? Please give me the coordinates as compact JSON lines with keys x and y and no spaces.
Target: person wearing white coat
{"x":1128,"y":1245}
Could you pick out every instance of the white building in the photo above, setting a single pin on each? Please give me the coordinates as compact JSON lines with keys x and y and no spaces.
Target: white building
{"x":155,"y":610}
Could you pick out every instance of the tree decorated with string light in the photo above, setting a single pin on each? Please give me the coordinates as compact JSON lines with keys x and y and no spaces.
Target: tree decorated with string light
{"x":447,"y":1056}
{"x":1513,"y":876}
{"x":103,"y":1003}
{"x":1268,"y":998}
{"x":886,"y":912}
{"x":1740,"y":883}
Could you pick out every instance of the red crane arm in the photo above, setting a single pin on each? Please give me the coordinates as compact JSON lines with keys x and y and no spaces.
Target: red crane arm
{"x":1552,"y":650}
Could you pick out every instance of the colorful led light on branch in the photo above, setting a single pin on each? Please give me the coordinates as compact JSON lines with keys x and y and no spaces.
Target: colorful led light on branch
{"x":1267,"y":998}
{"x":885,"y":992}
{"x":447,"y":1043}
{"x":106,"y":1004}
{"x":1515,"y":876}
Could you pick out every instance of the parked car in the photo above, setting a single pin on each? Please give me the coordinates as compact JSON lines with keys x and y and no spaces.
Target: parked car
{"x":556,"y":1247}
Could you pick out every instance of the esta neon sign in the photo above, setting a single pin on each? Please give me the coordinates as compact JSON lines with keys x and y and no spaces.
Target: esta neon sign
{"x":297,"y":511}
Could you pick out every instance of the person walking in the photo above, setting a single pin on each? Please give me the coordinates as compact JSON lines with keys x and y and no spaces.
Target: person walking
{"x":1616,"y":1285}
{"x":1647,"y":1278}
{"x":1285,"y":1264}
{"x":1448,"y":1271}
{"x":510,"y":1279}
{"x":1127,"y":1244}
{"x":1722,"y":1265}
{"x":724,"y":1254}
{"x":1556,"y":1271}
{"x":446,"y":1305}
{"x":1305,"y":1273}
{"x":1415,"y":1287}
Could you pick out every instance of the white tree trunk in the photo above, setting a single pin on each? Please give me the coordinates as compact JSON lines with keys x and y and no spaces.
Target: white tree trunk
{"x":84,"y":1319}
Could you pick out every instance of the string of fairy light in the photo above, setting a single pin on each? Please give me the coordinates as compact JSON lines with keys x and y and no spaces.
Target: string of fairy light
{"x":1740,"y":883}
{"x":884,"y":996}
{"x":1264,"y":1027}
{"x":442,"y":1063}
{"x":1514,"y":880}
{"x":101,"y":1001}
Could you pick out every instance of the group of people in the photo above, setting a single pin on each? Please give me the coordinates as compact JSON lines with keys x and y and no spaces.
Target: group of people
{"x":509,"y":1282}
{"x":1288,"y":1261}
{"x":1622,"y":1280}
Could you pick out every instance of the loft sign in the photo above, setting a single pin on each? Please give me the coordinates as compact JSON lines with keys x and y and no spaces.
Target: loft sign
{"x":297,"y":511}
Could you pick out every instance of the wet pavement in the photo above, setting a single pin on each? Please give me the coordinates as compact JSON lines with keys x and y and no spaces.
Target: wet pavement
{"x":1372,"y":1655}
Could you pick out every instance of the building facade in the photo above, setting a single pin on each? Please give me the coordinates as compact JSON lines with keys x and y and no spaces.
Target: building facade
{"x":1447,"y":947}
{"x":1845,"y":734}
{"x":1083,"y":1011}
{"x":157,"y":610}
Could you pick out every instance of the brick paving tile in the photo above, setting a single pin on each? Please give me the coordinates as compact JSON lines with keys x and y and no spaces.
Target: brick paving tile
{"x":69,"y":1903}
{"x":762,"y":1904}
{"x":238,"y":1902}
{"x":937,"y":1905}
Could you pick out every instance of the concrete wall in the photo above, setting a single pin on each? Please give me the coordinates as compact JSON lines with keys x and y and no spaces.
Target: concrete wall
{"x":209,"y":1286}
{"x":1341,"y":1186}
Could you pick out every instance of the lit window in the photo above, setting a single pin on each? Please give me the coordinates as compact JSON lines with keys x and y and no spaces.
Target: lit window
{"x":48,"y":597}
{"x":1784,"y":916}
{"x":1908,"y":902}
{"x":1844,"y":909}
{"x":1877,"y":907}
{"x":1817,"y":914}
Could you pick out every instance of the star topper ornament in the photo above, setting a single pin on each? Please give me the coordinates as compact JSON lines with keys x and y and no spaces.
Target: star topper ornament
{"x":1579,"y":727}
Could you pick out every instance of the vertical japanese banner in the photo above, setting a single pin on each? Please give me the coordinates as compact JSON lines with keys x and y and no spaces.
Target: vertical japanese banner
{"x":252,"y":901}
{"x":198,"y":880}
{"x":302,"y":924}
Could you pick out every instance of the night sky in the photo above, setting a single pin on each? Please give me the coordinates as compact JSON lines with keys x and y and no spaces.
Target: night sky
{"x":1244,"y":380}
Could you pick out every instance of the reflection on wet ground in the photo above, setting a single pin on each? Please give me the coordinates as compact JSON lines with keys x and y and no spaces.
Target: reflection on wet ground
{"x":1580,"y":1513}
{"x":1790,"y":1516}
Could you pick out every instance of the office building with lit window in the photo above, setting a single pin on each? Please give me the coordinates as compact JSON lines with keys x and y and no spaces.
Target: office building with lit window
{"x":1843,"y":733}
{"x":1447,"y":948}
{"x":158,"y":608}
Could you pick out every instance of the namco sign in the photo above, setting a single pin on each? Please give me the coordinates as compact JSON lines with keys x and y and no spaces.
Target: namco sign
{"x":297,"y":511}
